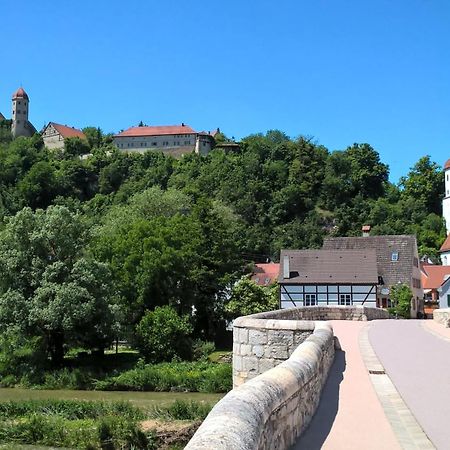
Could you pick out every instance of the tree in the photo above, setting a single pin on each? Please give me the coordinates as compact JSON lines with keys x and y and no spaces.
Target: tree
{"x":401,"y":296}
{"x":75,"y":146}
{"x":425,"y":184}
{"x":48,"y":287}
{"x":249,"y":298}
{"x":162,"y":335}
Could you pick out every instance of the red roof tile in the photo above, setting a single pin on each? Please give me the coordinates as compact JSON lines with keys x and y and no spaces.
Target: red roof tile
{"x":447,"y":164}
{"x":265,"y":274}
{"x":157,"y":131}
{"x":67,"y":132}
{"x":445,"y":247}
{"x":433,"y":276}
{"x":20,"y":93}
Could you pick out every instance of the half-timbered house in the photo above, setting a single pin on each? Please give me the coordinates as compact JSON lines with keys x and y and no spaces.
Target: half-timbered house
{"x":328,"y":277}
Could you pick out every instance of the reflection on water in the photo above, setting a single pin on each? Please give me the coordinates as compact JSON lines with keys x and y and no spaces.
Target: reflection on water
{"x":142,"y":399}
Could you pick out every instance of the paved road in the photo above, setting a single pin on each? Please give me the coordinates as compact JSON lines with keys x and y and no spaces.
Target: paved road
{"x":418,"y":363}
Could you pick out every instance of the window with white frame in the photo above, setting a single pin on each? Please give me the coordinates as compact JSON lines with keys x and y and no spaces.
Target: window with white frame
{"x":345,"y":299}
{"x":310,"y":299}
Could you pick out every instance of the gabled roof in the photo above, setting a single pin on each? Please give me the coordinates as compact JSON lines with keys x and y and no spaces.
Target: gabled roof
{"x":65,"y":131}
{"x":156,"y":131}
{"x":445,"y":247}
{"x":2,"y":117}
{"x":433,"y":276}
{"x":392,"y":272}
{"x":330,"y":267}
{"x":265,"y":274}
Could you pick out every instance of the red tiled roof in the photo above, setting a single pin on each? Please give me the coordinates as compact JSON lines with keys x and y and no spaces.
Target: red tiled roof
{"x":157,"y":131}
{"x":433,"y":275}
{"x":20,"y":93}
{"x":265,"y":274}
{"x":445,"y":247}
{"x":447,"y":164}
{"x":67,"y":132}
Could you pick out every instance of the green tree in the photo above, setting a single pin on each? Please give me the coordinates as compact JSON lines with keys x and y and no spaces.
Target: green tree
{"x":425,"y":184}
{"x":249,"y":298}
{"x":401,"y":296}
{"x":48,"y":287}
{"x":162,"y":334}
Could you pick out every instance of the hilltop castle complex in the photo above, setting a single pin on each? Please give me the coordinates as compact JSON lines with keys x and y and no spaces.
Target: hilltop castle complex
{"x":175,"y":140}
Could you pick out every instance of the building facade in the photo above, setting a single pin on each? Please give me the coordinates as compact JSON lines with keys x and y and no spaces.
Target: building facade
{"x":173,"y":139}
{"x":54,"y":135}
{"x":446,"y":200}
{"x":397,"y":260}
{"x":328,"y":277}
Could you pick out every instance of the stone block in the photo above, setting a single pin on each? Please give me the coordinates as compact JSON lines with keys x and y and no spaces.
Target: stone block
{"x":250,"y":364}
{"x":242,"y":335}
{"x":258,"y":350}
{"x":237,"y":363}
{"x":277,"y":352}
{"x":280,"y":337}
{"x":257,"y":337}
{"x":245,"y":349}
{"x":266,"y":364}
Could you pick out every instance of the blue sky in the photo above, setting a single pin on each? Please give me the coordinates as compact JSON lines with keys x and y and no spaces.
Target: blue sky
{"x":342,"y":71}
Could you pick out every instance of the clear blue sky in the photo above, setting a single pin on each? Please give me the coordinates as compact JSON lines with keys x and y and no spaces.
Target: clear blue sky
{"x":343,"y":71}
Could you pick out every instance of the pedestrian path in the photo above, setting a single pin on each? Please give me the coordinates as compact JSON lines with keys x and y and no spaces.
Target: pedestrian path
{"x":349,"y":416}
{"x":416,"y":356}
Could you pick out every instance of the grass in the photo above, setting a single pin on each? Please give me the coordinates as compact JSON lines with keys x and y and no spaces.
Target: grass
{"x":88,"y":425}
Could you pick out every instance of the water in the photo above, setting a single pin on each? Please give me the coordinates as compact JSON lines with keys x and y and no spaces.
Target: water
{"x":141,"y":399}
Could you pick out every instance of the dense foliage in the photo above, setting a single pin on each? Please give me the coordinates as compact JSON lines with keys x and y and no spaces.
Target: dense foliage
{"x":88,"y":245}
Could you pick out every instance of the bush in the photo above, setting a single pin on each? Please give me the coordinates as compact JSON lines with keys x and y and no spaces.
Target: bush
{"x":182,"y":410}
{"x":183,"y":376}
{"x":401,"y":296}
{"x":202,"y":349}
{"x":163,"y":335}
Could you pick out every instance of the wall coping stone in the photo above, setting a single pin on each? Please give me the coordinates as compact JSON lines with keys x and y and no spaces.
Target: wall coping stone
{"x":236,"y":422}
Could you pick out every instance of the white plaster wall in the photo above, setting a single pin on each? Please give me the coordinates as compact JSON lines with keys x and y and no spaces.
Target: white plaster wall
{"x":138,"y":143}
{"x":446,"y":201}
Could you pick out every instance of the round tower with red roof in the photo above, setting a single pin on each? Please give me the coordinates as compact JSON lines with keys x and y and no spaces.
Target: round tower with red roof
{"x":20,"y":125}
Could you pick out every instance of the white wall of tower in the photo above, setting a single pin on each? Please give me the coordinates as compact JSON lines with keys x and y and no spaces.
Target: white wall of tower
{"x":446,"y":201}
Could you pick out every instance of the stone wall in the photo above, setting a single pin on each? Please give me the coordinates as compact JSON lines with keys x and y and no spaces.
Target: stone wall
{"x":442,"y":316}
{"x":262,"y":341}
{"x":271,"y":410}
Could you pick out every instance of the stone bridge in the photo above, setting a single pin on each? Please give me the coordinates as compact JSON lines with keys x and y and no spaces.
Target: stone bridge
{"x":331,"y":377}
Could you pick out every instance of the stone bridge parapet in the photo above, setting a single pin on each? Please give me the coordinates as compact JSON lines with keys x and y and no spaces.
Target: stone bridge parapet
{"x":281,"y":361}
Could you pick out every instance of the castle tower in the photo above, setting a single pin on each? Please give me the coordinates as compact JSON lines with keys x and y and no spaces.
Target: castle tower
{"x":20,"y":102}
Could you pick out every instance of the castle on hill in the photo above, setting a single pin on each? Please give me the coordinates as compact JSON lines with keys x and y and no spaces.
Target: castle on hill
{"x":20,"y":125}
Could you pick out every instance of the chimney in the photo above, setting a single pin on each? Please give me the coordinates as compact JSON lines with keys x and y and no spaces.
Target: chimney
{"x":366,"y":230}
{"x":182,"y":124}
{"x":286,"y":270}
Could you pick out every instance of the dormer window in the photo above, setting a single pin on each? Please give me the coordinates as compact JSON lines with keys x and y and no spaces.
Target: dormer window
{"x":394,"y":256}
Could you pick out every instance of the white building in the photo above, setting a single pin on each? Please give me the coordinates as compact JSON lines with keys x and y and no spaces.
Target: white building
{"x":173,"y":139}
{"x":54,"y":135}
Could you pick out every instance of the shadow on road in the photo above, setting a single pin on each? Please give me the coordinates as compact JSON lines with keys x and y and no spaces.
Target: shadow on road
{"x":320,"y":426}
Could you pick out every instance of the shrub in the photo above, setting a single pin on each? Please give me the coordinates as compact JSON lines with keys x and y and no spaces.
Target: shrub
{"x":202,"y":349}
{"x":183,"y":376}
{"x":182,"y":410}
{"x":162,"y":335}
{"x":401,"y":296}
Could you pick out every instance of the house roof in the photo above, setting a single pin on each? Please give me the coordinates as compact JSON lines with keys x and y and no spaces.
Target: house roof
{"x":330,"y":267}
{"x":447,"y":164}
{"x":433,"y":276}
{"x":156,"y":131}
{"x":20,"y":93}
{"x":392,"y":272}
{"x":2,"y":117}
{"x":67,"y":132}
{"x":445,"y":247}
{"x":265,"y":274}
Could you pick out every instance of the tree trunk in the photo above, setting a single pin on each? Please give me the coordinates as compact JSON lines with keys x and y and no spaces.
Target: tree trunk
{"x":56,"y":348}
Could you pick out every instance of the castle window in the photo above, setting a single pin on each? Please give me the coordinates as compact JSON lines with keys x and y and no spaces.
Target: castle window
{"x":394,"y":256}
